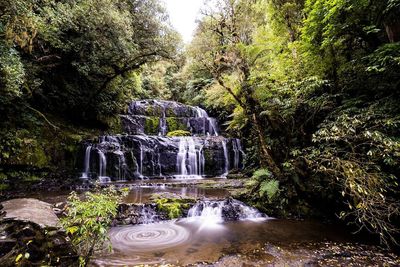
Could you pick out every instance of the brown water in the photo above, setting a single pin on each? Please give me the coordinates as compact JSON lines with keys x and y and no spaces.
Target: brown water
{"x":204,"y":241}
{"x":139,"y":193}
{"x":190,"y":241}
{"x":143,"y":194}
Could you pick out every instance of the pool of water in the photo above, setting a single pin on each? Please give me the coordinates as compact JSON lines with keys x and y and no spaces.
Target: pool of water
{"x":142,"y":190}
{"x":193,"y":240}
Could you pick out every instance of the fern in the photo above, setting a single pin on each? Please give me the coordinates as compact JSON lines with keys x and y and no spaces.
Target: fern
{"x":261,"y":174}
{"x":270,"y":188}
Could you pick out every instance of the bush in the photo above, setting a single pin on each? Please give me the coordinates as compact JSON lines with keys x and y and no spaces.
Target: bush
{"x":88,"y":220}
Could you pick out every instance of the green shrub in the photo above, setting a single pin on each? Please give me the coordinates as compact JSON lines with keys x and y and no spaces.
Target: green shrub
{"x":89,"y":218}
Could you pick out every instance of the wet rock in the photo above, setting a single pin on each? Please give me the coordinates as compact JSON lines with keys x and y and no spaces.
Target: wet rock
{"x":30,"y":209}
{"x":144,"y":151}
{"x":138,"y":214}
{"x":29,"y":227}
{"x":133,"y":156}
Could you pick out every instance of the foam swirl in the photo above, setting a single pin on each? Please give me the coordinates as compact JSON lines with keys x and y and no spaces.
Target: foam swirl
{"x":148,"y":237}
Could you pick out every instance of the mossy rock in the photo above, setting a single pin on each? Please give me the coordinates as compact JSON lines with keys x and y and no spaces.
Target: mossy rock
{"x":152,"y":125}
{"x":175,"y":124}
{"x":173,"y":206}
{"x":115,"y":125}
{"x":179,"y":133}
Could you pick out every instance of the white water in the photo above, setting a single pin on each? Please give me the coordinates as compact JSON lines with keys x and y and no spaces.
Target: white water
{"x":85,"y":174}
{"x":163,"y":124}
{"x":103,"y":168}
{"x":121,"y":166}
{"x":190,"y":161}
{"x":212,"y":125}
{"x":211,"y":213}
{"x":226,"y":157}
{"x":237,"y":152}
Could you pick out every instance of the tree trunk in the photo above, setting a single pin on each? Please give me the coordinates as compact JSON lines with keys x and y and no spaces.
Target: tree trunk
{"x":266,"y":158}
{"x":393,"y":30}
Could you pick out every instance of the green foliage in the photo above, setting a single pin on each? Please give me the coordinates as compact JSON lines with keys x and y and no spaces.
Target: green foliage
{"x":88,"y":220}
{"x":261,"y":174}
{"x":266,"y":186}
{"x":175,"y":124}
{"x":269,"y":188}
{"x":172,"y":206}
{"x":12,"y":73}
{"x":322,"y":78}
{"x":179,"y":133}
{"x":93,"y":49}
{"x":152,"y":125}
{"x":367,"y":174}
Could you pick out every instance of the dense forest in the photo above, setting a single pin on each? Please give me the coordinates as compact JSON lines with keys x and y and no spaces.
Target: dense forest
{"x":311,"y":87}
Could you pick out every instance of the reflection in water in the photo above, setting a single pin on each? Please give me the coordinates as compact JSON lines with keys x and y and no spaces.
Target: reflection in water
{"x":186,"y":242}
{"x":140,"y":194}
{"x":143,"y":194}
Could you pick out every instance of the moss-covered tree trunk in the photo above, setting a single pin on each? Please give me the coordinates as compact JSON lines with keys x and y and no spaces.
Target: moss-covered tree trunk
{"x":266,"y":159}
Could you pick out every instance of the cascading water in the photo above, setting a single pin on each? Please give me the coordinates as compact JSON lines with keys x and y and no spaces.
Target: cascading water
{"x":141,"y":161}
{"x":163,"y":122}
{"x":144,"y":151}
{"x":237,"y":153}
{"x":103,"y":168}
{"x":226,"y":157}
{"x":215,"y":212}
{"x":212,"y":126}
{"x":85,"y":174}
{"x":190,"y":161}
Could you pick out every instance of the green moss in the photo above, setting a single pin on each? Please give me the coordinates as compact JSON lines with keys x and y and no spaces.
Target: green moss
{"x":172,"y":206}
{"x":114,"y":124}
{"x":174,"y":124}
{"x":4,"y":186}
{"x":152,"y":125}
{"x":179,"y":133}
{"x":150,"y":111}
{"x":31,"y":178}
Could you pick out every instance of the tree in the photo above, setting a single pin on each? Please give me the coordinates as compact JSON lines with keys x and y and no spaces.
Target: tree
{"x":223,"y":45}
{"x":85,"y":46}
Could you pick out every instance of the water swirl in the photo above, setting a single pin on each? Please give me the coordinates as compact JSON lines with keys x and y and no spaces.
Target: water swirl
{"x":148,"y":237}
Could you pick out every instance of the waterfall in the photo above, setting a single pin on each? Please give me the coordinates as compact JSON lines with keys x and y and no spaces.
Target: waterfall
{"x":135,"y":154}
{"x":147,"y":215}
{"x":215,"y":212}
{"x":121,"y":166}
{"x":212,"y":126}
{"x":226,"y":157}
{"x":103,"y":168}
{"x":85,"y":174}
{"x":209,"y":212}
{"x":141,"y":160}
{"x":189,"y":161}
{"x":237,"y":153}
{"x":163,"y":124}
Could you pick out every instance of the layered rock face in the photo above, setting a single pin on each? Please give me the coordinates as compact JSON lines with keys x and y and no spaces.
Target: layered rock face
{"x":144,"y":150}
{"x":155,"y":117}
